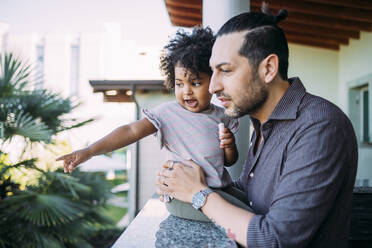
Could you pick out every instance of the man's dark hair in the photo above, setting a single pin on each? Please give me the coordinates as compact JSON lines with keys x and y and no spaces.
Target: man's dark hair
{"x":190,"y":50}
{"x":264,"y":37}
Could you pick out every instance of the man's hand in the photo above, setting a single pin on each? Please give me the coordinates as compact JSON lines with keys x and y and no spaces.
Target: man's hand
{"x":227,"y":139}
{"x":180,"y":180}
{"x":72,"y":160}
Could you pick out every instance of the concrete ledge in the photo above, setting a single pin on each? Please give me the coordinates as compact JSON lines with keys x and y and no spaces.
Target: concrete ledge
{"x":154,"y":227}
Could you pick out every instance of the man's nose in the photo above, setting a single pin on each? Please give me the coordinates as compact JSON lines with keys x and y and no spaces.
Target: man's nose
{"x":215,"y":85}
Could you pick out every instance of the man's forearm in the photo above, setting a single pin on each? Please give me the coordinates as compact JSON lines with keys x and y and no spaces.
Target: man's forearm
{"x":232,"y":220}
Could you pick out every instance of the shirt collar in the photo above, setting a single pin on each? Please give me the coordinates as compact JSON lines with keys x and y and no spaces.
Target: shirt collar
{"x":287,"y":107}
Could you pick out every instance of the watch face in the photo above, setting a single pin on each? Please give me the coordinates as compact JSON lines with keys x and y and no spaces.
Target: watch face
{"x":198,"y":200}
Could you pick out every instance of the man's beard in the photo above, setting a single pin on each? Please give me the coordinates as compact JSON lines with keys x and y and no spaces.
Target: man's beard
{"x":251,"y":101}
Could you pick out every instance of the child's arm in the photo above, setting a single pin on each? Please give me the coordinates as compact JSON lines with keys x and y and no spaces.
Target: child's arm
{"x":228,"y":144}
{"x":120,"y":137}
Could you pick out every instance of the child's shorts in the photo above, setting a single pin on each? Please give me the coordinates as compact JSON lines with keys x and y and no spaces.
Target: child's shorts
{"x":187,"y":211}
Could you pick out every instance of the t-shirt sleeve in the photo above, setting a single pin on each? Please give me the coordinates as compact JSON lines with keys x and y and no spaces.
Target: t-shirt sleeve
{"x":154,"y":116}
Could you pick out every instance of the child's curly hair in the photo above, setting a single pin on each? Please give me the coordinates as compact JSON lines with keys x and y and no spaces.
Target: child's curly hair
{"x":191,"y":51}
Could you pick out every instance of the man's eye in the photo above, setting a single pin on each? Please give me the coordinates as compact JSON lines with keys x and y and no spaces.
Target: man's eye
{"x":225,"y":70}
{"x":179,"y":84}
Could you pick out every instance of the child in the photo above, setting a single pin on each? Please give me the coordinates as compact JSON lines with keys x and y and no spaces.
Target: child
{"x":187,"y":128}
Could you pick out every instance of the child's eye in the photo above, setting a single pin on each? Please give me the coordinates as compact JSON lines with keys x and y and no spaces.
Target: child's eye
{"x":179,"y":84}
{"x":196,"y":84}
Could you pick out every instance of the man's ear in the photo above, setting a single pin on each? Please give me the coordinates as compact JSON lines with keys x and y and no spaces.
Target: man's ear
{"x":268,"y":68}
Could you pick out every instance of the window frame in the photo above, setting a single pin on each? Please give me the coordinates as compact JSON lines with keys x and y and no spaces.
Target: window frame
{"x":356,"y":91}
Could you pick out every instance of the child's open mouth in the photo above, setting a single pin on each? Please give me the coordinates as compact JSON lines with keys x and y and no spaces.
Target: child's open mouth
{"x":191,"y":103}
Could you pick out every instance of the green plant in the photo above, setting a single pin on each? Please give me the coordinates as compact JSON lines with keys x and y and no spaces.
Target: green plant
{"x":58,"y":210}
{"x":61,"y":211}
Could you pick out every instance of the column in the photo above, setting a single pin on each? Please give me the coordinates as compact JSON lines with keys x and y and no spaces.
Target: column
{"x":215,"y":14}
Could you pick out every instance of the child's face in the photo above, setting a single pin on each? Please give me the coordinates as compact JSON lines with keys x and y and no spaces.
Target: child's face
{"x":192,"y":92}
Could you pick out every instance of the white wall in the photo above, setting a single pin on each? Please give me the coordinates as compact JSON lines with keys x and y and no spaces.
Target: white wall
{"x":355,"y":63}
{"x":317,"y":69}
{"x":57,"y":52}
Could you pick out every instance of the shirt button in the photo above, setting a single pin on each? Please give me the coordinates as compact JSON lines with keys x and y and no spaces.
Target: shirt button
{"x":251,"y":175}
{"x":250,"y":203}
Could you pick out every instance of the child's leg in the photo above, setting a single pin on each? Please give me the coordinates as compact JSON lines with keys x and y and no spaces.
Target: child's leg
{"x":187,"y":211}
{"x":235,"y":197}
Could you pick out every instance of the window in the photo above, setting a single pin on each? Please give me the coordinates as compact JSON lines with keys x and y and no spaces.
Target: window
{"x":366,"y":138}
{"x":74,"y":80}
{"x":360,"y":112}
{"x":39,"y":70}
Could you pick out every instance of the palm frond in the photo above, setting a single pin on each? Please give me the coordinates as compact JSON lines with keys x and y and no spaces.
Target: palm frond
{"x":44,"y":210}
{"x":28,"y":163}
{"x":74,"y":124}
{"x":23,"y":124}
{"x":45,"y":240}
{"x":71,"y":184}
{"x":47,"y":106}
{"x":13,"y":74}
{"x":34,"y":129}
{"x":96,"y":181}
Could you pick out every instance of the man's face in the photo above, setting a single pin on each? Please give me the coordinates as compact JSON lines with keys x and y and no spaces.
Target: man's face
{"x":236,"y":84}
{"x":191,"y":91}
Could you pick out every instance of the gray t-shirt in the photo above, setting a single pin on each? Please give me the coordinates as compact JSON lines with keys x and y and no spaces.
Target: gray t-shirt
{"x":187,"y":135}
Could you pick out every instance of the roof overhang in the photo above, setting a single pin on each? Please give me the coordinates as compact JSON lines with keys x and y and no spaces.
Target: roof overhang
{"x":123,"y":90}
{"x":320,"y":23}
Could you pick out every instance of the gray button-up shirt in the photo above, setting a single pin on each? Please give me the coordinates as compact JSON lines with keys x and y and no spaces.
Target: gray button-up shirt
{"x":300,"y":181}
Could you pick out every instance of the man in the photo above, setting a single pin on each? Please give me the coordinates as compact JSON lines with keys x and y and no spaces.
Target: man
{"x":301,"y":166}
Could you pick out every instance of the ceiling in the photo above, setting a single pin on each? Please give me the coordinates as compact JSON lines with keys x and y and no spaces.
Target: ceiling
{"x":319,"y":23}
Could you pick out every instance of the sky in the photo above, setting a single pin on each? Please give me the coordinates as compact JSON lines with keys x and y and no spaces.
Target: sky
{"x":145,"y":21}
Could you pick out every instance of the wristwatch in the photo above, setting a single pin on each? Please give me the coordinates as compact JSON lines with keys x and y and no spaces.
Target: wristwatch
{"x":199,"y":199}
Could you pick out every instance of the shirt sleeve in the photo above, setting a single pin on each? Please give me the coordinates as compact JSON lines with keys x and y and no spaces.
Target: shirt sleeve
{"x":314,"y":169}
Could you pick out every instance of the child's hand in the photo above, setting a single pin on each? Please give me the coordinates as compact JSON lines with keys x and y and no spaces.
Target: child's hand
{"x":72,"y":160}
{"x":227,"y":139}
